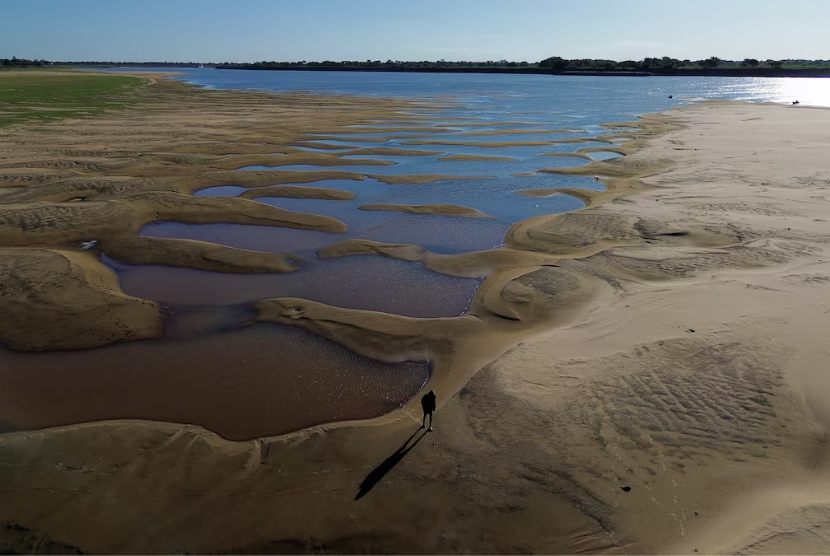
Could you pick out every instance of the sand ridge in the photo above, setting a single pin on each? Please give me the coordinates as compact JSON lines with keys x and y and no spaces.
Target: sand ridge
{"x":287,"y":191}
{"x":437,"y":209}
{"x":104,"y":179}
{"x":453,"y":157}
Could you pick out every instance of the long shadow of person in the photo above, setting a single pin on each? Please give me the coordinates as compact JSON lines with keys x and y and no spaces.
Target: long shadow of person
{"x":381,"y":470}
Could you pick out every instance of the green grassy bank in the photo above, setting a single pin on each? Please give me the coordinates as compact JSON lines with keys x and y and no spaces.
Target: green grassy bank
{"x":26,"y":96}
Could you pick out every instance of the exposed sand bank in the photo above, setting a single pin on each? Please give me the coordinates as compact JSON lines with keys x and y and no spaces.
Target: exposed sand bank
{"x":481,"y":264}
{"x":481,"y":144}
{"x":325,"y":193}
{"x":453,"y":157}
{"x":387,"y":151}
{"x":501,"y":144}
{"x":652,"y":367}
{"x":584,"y":195}
{"x":569,"y":155}
{"x":497,"y":132}
{"x":425,"y":178}
{"x":105,"y":178}
{"x":67,"y":300}
{"x":443,"y":210}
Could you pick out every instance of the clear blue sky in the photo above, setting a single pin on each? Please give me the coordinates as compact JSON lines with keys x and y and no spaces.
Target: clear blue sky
{"x":288,"y":30}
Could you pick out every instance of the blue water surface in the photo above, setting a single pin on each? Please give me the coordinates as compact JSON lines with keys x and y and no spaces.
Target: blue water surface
{"x":483,"y":115}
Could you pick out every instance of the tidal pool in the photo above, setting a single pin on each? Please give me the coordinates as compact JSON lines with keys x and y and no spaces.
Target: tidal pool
{"x":242,"y":384}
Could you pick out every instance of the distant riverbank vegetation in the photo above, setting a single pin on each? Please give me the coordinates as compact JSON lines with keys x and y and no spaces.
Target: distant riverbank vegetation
{"x":558,"y":65}
{"x":553,"y":65}
{"x":14,"y":62}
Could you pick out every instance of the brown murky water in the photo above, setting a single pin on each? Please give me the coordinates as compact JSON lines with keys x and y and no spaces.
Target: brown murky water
{"x":246,"y":383}
{"x":371,"y":282}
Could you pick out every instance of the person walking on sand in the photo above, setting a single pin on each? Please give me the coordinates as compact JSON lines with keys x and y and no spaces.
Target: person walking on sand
{"x":428,"y":404}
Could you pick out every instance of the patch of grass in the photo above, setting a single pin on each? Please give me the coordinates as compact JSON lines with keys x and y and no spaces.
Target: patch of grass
{"x":46,"y":97}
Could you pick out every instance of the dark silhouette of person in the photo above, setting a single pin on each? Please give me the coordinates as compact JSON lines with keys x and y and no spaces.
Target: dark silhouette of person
{"x":428,"y":404}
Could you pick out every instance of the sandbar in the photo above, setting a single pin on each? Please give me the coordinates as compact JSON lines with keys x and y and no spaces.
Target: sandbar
{"x":438,"y":209}
{"x":287,"y":191}
{"x":454,"y":157}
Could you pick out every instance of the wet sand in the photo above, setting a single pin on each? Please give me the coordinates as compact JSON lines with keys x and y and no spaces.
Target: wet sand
{"x":441,"y":210}
{"x":298,"y":193}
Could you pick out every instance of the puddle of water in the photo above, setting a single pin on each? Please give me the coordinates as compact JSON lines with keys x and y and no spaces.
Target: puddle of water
{"x":436,"y":233}
{"x":372,"y":283}
{"x":524,"y":160}
{"x":397,"y":170}
{"x":242,"y":384}
{"x":603,"y":155}
{"x":220,"y":191}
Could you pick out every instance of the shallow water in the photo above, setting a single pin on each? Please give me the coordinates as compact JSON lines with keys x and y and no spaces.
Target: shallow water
{"x":455,"y":235}
{"x":264,"y":380}
{"x":220,"y":191}
{"x":364,"y":282}
{"x":242,"y":384}
{"x":603,"y":155}
{"x":527,"y":112}
{"x":527,"y":95}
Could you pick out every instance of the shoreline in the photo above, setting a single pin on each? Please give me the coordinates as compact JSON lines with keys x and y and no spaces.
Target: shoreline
{"x":556,"y":295}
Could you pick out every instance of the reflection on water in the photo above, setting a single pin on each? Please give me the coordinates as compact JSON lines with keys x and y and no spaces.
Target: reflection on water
{"x":242,"y":384}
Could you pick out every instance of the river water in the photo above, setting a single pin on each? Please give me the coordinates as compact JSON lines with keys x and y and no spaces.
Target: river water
{"x":268,"y":379}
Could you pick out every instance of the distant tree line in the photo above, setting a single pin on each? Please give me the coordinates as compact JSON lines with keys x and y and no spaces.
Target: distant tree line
{"x":376,"y":64}
{"x":555,"y":64}
{"x":668,"y":63}
{"x":137,"y":64}
{"x":15,"y":62}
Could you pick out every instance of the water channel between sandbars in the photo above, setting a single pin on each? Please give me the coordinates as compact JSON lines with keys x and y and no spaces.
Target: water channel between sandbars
{"x":246,"y":383}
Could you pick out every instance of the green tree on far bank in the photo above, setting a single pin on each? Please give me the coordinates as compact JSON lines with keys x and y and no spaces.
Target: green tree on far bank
{"x":712,"y":62}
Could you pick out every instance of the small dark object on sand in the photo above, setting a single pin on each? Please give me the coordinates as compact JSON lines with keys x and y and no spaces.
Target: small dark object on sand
{"x":428,"y":405}
{"x":796,"y":102}
{"x":626,"y":488}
